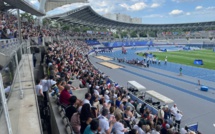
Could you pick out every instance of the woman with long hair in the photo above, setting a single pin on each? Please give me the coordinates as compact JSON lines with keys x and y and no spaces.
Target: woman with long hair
{"x":85,"y":116}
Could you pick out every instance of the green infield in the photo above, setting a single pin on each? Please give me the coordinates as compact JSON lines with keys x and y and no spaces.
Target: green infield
{"x":187,"y":57}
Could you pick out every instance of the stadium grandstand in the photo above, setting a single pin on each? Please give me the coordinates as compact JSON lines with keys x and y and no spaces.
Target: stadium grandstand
{"x":74,"y":75}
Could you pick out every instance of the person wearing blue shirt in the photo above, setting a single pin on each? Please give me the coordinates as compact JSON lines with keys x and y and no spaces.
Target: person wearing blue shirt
{"x":92,"y":128}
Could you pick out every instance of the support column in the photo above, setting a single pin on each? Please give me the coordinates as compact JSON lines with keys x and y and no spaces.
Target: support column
{"x":42,"y":6}
{"x":18,"y":71}
{"x":147,"y":34}
{"x":119,"y":34}
{"x":59,"y":26}
{"x":129,"y":35}
{"x":138,"y":35}
{"x":19,"y":26}
{"x":5,"y":107}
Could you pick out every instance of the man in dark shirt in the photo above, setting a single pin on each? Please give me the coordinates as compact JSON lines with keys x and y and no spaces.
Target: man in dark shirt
{"x":71,"y":109}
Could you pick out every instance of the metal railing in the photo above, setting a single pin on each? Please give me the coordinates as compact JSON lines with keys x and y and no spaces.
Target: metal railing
{"x":11,"y":62}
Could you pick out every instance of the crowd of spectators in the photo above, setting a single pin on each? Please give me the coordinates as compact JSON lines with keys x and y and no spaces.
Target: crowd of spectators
{"x":106,"y":108}
{"x":9,"y":28}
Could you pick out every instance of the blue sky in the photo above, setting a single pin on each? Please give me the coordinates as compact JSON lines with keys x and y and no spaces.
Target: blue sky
{"x":151,"y":11}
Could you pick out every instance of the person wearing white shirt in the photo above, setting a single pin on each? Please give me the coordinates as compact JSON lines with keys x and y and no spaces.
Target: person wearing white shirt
{"x":174,"y":109}
{"x":87,"y":99}
{"x":139,"y":127}
{"x":7,"y":89}
{"x":104,"y":123}
{"x":178,"y":117}
{"x":106,"y":96}
{"x":44,"y":84}
{"x":184,"y":130}
{"x":51,"y":82}
{"x":118,"y":127}
{"x":157,"y":130}
{"x":39,"y":91}
{"x":96,"y":92}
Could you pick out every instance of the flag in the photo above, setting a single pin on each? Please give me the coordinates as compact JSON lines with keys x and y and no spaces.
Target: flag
{"x":116,"y":85}
{"x":193,"y":127}
{"x":108,"y":85}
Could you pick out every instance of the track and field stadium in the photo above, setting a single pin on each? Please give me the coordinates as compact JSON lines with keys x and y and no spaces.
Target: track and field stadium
{"x":80,"y":72}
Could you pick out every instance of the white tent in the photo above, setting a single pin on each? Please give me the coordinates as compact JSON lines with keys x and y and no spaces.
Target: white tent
{"x":159,"y":97}
{"x":136,"y":85}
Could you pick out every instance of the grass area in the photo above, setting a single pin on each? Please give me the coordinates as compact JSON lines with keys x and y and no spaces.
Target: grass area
{"x":187,"y":57}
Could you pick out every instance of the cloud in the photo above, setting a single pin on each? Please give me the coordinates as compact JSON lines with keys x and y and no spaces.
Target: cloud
{"x":155,"y":5}
{"x":135,"y":7}
{"x":198,"y":7}
{"x":176,"y":12}
{"x":210,"y":8}
{"x":180,"y":1}
{"x":188,"y":13}
{"x":203,"y":13}
{"x":154,"y":16}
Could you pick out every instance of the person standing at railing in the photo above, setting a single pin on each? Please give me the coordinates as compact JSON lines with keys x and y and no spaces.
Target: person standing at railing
{"x":3,"y":32}
{"x":34,"y":59}
{"x":39,"y":91}
{"x":178,"y":117}
{"x":40,"y":39}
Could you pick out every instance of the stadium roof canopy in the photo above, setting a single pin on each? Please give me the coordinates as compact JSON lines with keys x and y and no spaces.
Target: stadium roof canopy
{"x":87,"y":16}
{"x":52,"y":4}
{"x":25,"y":6}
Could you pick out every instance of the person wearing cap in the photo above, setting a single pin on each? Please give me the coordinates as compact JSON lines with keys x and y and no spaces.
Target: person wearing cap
{"x":178,"y":117}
